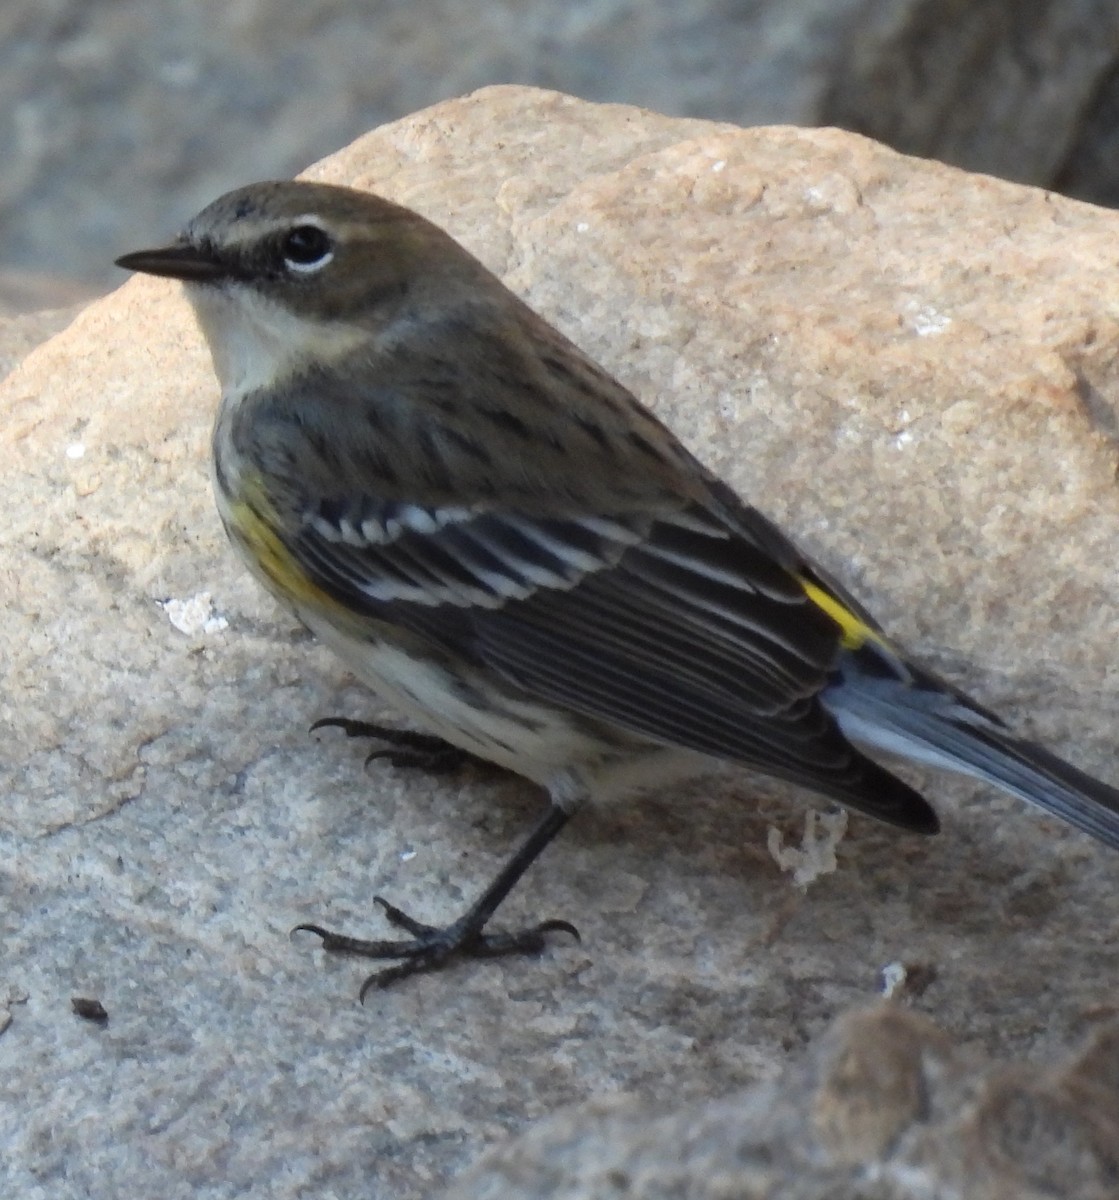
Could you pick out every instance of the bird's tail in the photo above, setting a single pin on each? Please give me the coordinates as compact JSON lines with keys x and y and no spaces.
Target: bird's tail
{"x":883,"y":702}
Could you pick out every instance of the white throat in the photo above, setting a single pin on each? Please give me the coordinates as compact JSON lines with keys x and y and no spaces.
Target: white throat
{"x":256,"y":343}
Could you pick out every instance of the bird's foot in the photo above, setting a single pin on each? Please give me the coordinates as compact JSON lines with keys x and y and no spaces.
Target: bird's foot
{"x":430,"y":946}
{"x":403,"y":747}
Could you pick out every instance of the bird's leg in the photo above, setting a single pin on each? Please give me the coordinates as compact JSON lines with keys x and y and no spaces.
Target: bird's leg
{"x":430,"y":946}
{"x":403,"y":747}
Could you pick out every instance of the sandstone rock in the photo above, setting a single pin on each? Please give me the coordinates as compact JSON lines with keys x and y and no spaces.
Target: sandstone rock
{"x":19,"y":335}
{"x":886,"y":1108}
{"x":911,"y":367}
{"x":34,"y":307}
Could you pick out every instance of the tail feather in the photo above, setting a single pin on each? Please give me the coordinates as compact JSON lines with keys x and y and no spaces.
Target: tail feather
{"x":871,"y":789}
{"x":924,"y":720}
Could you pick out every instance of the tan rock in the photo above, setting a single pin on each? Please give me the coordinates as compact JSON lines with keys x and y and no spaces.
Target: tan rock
{"x":32,"y":309}
{"x":20,"y":334}
{"x":959,"y":1126}
{"x":913,"y":368}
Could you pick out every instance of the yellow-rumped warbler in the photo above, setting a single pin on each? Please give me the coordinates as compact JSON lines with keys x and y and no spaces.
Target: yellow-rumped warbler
{"x":497,"y":537}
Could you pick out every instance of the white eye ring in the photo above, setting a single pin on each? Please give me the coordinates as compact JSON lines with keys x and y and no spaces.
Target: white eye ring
{"x":311,"y":267}
{"x":313,"y":237}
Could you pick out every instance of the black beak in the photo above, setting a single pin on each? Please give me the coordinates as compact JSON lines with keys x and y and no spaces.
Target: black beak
{"x":189,"y":263}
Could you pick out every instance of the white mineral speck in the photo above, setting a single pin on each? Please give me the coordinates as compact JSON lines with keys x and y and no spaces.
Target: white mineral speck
{"x":194,"y":615}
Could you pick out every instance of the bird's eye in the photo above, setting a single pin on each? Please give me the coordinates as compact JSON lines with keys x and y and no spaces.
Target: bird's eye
{"x":307,"y":248}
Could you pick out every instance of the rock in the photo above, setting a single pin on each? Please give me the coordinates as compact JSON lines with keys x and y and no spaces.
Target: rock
{"x":33,"y":308}
{"x":886,"y":1107}
{"x":19,"y":335}
{"x":911,"y":367}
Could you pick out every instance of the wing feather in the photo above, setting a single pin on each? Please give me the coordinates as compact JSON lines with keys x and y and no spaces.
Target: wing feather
{"x":681,"y":630}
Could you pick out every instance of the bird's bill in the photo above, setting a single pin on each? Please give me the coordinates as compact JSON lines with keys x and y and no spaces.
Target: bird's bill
{"x":188,"y":263}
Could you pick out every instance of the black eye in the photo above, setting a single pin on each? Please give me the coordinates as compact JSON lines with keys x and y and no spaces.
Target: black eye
{"x":307,"y":248}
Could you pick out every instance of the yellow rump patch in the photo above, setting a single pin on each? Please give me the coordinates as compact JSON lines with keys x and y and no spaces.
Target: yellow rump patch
{"x":855,"y":630}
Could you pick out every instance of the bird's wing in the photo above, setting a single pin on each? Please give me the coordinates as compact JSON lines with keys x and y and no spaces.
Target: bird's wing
{"x":677,"y":626}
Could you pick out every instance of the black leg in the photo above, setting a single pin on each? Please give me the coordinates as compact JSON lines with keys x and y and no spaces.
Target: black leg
{"x":431,"y":946}
{"x":403,"y":747}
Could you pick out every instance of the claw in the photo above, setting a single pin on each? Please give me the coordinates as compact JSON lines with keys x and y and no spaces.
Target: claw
{"x":405,"y":747}
{"x":399,"y":918}
{"x":349,"y":727}
{"x":430,"y":946}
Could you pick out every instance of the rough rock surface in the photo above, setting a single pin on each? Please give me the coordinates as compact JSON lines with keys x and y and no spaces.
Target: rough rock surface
{"x":886,"y":1108}
{"x":911,"y":367}
{"x":21,"y":333}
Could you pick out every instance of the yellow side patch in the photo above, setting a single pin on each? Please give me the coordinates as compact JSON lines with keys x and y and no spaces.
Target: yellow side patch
{"x":266,"y":549}
{"x":855,"y":630}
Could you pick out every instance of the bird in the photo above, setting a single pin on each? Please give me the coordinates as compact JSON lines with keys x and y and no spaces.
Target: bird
{"x":510,"y":549}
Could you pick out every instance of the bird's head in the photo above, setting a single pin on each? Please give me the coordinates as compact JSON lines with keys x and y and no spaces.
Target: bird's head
{"x":285,"y":273}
